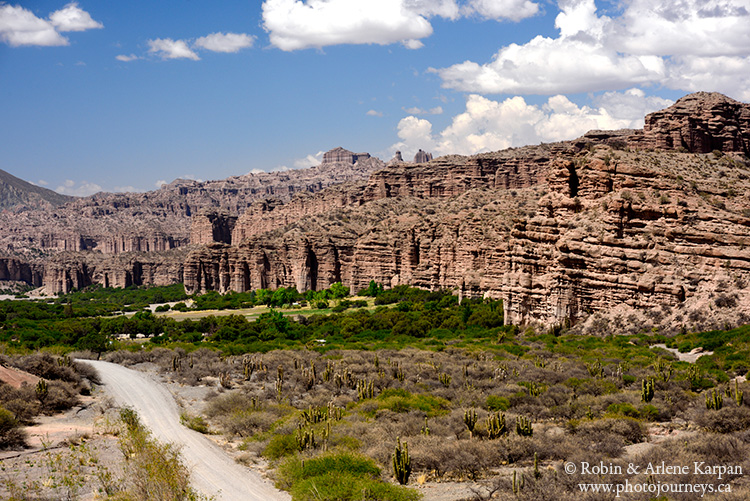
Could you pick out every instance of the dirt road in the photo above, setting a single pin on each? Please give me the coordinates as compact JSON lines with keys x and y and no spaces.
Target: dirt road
{"x":213,"y":472}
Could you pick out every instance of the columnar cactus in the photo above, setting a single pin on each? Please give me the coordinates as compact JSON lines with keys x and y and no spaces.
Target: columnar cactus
{"x":305,"y":439}
{"x":365,"y":389}
{"x":496,"y":426}
{"x":42,"y":391}
{"x":647,"y":390}
{"x":401,"y":462}
{"x":523,"y":426}
{"x":738,"y":394}
{"x":425,"y":429}
{"x":470,"y":420}
{"x":714,"y":400}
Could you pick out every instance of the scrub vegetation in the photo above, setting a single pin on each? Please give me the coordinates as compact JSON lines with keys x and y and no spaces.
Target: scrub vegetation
{"x":403,"y":387}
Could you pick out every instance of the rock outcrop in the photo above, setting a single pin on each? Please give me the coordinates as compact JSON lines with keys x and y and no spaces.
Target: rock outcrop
{"x":698,"y":123}
{"x":558,"y":231}
{"x":75,"y":270}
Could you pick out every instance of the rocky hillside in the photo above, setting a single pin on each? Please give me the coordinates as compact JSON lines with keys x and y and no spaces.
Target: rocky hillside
{"x":656,"y":221}
{"x":31,"y":235}
{"x":638,"y":227}
{"x":15,"y":192}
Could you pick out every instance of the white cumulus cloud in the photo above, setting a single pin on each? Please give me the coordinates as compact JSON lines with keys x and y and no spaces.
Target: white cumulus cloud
{"x":514,"y":10}
{"x":686,"y":45}
{"x":125,"y":58}
{"x":296,"y":24}
{"x":21,"y":27}
{"x":82,"y":189}
{"x":73,"y":18}
{"x":309,"y":161}
{"x":225,"y":42}
{"x":166,"y":48}
{"x":415,"y":110}
{"x":489,"y":125}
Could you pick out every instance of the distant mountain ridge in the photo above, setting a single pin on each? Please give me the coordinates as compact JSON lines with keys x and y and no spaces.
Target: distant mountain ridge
{"x":15,"y":192}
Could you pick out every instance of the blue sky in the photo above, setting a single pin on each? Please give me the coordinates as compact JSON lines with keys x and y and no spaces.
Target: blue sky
{"x":123,"y":96}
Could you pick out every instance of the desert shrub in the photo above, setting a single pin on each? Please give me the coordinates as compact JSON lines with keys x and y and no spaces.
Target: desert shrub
{"x":228,"y":403}
{"x":280,"y":445}
{"x":497,"y":403}
{"x":62,"y":396}
{"x":11,"y":434}
{"x":196,"y":423}
{"x":726,"y":420}
{"x":629,"y":429}
{"x":246,"y":423}
{"x":340,"y":476}
{"x":46,"y":366}
{"x":624,"y":409}
{"x":400,"y":400}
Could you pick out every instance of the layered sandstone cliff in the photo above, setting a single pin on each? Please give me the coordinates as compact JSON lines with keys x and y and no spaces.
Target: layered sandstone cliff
{"x":160,"y":220}
{"x":557,"y":231}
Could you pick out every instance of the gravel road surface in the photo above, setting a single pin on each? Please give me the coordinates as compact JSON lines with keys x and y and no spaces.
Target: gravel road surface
{"x":213,"y":472}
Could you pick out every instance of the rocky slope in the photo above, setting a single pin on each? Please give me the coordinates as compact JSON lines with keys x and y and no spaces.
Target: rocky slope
{"x":15,"y":192}
{"x":656,"y":221}
{"x":34,"y":230}
{"x":159,"y":220}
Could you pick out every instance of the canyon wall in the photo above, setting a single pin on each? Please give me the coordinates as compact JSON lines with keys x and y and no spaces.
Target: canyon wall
{"x":559,"y":231}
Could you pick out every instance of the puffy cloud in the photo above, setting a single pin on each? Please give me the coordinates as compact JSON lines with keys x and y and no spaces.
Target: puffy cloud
{"x":374,"y":113}
{"x":19,"y":26}
{"x":514,"y":10}
{"x":727,"y":74}
{"x":489,"y":125}
{"x":82,"y":189}
{"x":160,"y":183}
{"x":293,"y":24}
{"x":677,"y":44}
{"x":296,"y":24}
{"x":309,"y":161}
{"x":73,"y":18}
{"x":633,"y":105}
{"x":166,"y":48}
{"x":225,"y":42}
{"x":688,"y":27}
{"x":415,"y":110}
{"x":126,"y":59}
{"x":126,"y":189}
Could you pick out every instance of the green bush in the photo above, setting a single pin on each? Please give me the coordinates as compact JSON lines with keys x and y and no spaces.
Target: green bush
{"x":11,"y":434}
{"x":496,"y":403}
{"x":338,"y":476}
{"x":280,"y":446}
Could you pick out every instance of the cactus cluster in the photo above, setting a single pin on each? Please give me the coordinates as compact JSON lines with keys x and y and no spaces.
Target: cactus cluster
{"x":470,"y":420}
{"x":738,"y":394}
{"x":225,"y":380}
{"x":252,"y":364}
{"x":596,"y":369}
{"x":365,"y":389}
{"x":398,"y":373}
{"x":496,"y":427}
{"x":425,"y":429}
{"x":523,"y":426}
{"x":647,"y":390}
{"x":401,"y":462}
{"x":714,"y":400}
{"x":42,"y":391}
{"x":305,"y":439}
{"x":663,"y":369}
{"x":445,"y":379}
